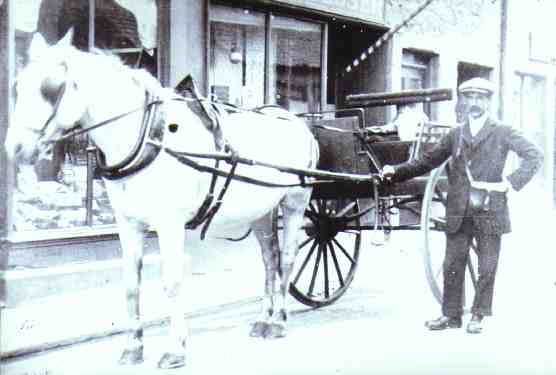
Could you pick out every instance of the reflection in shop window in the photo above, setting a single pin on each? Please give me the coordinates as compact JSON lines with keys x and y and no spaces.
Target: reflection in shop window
{"x":53,"y":193}
{"x":237,"y":57}
{"x":296,"y":64}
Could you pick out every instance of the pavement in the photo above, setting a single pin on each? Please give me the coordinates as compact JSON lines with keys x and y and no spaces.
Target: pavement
{"x":235,"y":279}
{"x":226,"y":275}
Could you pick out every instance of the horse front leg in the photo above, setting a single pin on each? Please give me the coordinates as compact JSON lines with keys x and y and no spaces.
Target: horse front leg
{"x":176,"y":271}
{"x":293,"y":209}
{"x":266,"y":235}
{"x":132,"y":236}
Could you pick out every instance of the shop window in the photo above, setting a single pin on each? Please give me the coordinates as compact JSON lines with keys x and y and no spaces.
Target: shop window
{"x":237,"y":55}
{"x":295,"y":64}
{"x":64,"y":192}
{"x":239,"y":72}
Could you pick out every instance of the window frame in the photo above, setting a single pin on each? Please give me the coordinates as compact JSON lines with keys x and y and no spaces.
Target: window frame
{"x":269,"y":13}
{"x":426,"y":62}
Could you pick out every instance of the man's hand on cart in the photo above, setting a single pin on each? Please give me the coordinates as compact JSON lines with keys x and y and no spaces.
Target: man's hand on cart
{"x":387,"y":172}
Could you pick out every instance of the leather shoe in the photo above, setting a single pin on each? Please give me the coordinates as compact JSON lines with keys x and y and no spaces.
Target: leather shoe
{"x":475,"y":324}
{"x":443,"y":322}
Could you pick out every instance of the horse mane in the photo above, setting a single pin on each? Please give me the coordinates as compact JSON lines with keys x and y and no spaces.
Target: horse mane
{"x":110,"y":63}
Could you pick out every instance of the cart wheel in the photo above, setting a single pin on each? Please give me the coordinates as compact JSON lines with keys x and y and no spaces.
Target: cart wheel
{"x":328,"y":252}
{"x":433,"y":226}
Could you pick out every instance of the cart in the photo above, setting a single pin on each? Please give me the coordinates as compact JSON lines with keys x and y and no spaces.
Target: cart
{"x":330,"y":239}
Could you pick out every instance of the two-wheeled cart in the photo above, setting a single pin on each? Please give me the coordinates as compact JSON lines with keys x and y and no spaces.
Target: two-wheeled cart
{"x":357,"y":200}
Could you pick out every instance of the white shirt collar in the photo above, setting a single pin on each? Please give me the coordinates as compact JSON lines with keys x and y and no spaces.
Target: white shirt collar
{"x":476,"y":124}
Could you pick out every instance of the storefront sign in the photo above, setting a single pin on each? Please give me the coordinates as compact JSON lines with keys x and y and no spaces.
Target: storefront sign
{"x":368,"y":10}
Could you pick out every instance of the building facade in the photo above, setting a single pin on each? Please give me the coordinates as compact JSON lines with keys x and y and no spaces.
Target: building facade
{"x":247,"y":53}
{"x":452,"y":41}
{"x":253,"y":52}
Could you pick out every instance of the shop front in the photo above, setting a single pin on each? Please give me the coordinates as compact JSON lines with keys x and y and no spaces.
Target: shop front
{"x":248,"y":53}
{"x":57,"y":211}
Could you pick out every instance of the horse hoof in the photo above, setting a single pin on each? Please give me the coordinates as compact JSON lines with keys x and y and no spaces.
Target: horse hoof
{"x":259,"y":329}
{"x":275,"y":331}
{"x":169,"y":361}
{"x":132,"y":356}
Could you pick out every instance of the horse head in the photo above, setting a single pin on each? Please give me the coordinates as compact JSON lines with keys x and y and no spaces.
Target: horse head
{"x":47,"y":100}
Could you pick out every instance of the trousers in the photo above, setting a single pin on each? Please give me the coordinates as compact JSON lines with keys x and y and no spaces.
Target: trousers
{"x":458,"y":245}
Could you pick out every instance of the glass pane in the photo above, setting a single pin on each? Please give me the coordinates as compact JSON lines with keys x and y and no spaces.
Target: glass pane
{"x":237,"y":47}
{"x":139,"y":21}
{"x":295,"y":64}
{"x":52,"y":193}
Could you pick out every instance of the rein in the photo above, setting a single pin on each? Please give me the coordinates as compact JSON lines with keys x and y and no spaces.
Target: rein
{"x":42,"y":131}
{"x":76,"y":132}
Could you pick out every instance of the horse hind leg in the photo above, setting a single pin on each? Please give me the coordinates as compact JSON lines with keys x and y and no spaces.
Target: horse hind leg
{"x":132,"y":239}
{"x":293,"y":209}
{"x":266,"y":234}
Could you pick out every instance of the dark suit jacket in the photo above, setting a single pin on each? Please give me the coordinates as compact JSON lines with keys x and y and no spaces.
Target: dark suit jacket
{"x":486,"y":154}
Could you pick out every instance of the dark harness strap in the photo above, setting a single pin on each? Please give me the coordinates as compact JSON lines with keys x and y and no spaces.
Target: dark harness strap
{"x":144,"y":152}
{"x":206,"y":212}
{"x":184,"y":159}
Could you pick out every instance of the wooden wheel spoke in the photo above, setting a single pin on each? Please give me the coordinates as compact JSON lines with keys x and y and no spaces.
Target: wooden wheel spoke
{"x":321,"y":204}
{"x":315,"y":270}
{"x":313,"y":218}
{"x":352,"y":231}
{"x":343,"y":251}
{"x":312,"y":208}
{"x":321,"y":274}
{"x":325,"y":265}
{"x":346,"y":209}
{"x":336,"y":264}
{"x":304,"y":264}
{"x":304,"y":243}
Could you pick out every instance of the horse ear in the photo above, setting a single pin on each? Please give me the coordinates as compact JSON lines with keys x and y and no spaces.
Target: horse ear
{"x":37,"y":47}
{"x":66,"y":41}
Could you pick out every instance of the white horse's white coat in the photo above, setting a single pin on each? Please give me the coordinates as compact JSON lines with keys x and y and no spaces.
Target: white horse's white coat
{"x":167,"y":194}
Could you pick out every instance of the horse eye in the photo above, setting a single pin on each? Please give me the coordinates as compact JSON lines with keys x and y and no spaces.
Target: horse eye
{"x":173,"y":128}
{"x":50,"y":89}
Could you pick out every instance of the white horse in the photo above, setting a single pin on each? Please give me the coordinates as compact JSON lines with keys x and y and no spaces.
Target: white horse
{"x":62,"y":89}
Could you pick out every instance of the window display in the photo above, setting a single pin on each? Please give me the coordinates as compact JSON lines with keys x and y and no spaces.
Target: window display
{"x":296,"y":64}
{"x":237,"y":57}
{"x":63,"y":191}
{"x":238,"y":45}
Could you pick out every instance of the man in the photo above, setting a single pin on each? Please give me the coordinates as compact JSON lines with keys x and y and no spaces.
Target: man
{"x":480,"y":146}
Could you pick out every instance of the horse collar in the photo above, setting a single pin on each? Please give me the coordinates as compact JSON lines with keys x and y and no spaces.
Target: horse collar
{"x":145,"y":150}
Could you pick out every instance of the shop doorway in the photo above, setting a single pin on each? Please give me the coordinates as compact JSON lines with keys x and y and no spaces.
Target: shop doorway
{"x":346,"y":42}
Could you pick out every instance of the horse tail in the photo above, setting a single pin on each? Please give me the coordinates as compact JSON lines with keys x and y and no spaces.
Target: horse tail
{"x":237,"y":239}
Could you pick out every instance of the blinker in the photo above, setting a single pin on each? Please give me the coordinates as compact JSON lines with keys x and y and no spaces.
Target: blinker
{"x":51,"y":88}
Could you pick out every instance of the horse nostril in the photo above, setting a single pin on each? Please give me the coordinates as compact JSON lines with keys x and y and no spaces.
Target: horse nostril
{"x":173,"y":128}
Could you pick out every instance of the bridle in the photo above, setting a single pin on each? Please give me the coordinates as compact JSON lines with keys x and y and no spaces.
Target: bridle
{"x":42,"y":131}
{"x":76,"y":129}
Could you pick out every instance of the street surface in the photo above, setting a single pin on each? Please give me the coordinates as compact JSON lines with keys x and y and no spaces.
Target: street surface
{"x":375,"y":328}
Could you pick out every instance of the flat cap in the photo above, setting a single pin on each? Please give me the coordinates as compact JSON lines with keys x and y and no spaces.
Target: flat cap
{"x":480,"y":85}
